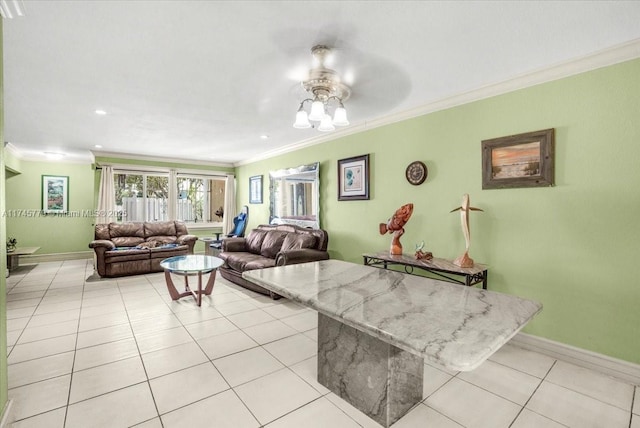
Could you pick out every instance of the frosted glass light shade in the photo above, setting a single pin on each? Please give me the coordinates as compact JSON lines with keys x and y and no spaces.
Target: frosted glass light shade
{"x":302,"y":120}
{"x":325,"y":124}
{"x":317,"y":110}
{"x":340,"y":117}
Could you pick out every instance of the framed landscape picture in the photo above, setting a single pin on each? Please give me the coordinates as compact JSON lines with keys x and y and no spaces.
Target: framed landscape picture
{"x":353,"y":178}
{"x":523,"y":160}
{"x":255,"y":189}
{"x":55,"y":194}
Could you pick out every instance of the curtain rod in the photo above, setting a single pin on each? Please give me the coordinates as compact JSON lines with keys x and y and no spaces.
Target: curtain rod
{"x":151,"y":169}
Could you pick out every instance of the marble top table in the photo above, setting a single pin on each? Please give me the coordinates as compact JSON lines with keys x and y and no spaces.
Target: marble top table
{"x":388,"y":322}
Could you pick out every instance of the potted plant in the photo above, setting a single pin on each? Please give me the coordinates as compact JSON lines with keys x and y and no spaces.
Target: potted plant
{"x":11,"y":244}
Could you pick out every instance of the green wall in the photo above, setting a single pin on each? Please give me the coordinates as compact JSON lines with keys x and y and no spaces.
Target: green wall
{"x":52,"y":233}
{"x":3,"y":253}
{"x":572,"y":246}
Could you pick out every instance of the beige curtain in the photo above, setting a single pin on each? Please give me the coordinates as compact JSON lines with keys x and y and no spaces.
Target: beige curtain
{"x":106,"y":197}
{"x":229,"y":204}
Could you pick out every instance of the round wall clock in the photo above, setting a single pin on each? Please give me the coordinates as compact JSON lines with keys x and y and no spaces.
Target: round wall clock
{"x":416,"y":173}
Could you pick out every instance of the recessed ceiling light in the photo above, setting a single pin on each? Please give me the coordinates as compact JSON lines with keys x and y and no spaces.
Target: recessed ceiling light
{"x":264,"y":137}
{"x":101,"y":112}
{"x":54,"y":155}
{"x":98,"y":146}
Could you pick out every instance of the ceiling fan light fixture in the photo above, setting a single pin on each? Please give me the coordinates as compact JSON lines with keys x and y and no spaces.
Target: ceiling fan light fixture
{"x":326,"y":125}
{"x":302,"y":120}
{"x":340,"y":117}
{"x":324,"y":85}
{"x":317,"y":110}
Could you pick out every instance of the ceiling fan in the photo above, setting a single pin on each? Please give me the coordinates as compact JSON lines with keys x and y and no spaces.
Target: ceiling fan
{"x":326,"y":90}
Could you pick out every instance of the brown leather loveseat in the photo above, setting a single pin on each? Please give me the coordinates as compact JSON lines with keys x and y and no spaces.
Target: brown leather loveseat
{"x":269,"y":246}
{"x":139,"y":247}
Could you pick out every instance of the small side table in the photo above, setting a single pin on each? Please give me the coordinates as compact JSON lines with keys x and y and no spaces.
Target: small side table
{"x":13,"y":257}
{"x":190,"y":265}
{"x":442,"y":268}
{"x":208,"y":251}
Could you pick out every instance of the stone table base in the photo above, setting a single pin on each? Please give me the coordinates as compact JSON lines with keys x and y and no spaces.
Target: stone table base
{"x":377,"y":378}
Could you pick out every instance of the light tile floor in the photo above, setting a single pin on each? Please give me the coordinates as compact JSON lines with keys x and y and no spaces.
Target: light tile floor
{"x":86,"y":352}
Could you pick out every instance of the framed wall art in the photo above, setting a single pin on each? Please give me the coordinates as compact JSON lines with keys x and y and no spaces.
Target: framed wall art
{"x":255,"y":189}
{"x":353,"y":178}
{"x":55,"y":194}
{"x":523,"y":160}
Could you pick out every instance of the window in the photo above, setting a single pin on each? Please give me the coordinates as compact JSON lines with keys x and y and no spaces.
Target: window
{"x":149,"y":196}
{"x":141,"y":197}
{"x":200,"y":199}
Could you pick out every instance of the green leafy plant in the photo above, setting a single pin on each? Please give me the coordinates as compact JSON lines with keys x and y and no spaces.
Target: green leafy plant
{"x":11,"y":243}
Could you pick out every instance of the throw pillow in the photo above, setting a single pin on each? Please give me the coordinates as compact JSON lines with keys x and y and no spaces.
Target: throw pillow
{"x":297,"y":241}
{"x":254,"y":240}
{"x":272,"y":243}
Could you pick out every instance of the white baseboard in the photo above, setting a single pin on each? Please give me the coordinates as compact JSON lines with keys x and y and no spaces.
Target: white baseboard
{"x":7,"y":416}
{"x":56,"y":257}
{"x":623,"y":370}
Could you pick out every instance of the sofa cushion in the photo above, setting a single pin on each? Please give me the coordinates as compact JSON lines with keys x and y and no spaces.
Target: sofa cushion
{"x":260,"y":263}
{"x":160,"y":228}
{"x":254,"y":240}
{"x":243,"y":261}
{"x":102,"y":232}
{"x":119,"y":230}
{"x":116,"y":256}
{"x":297,"y":241}
{"x":163,"y":252}
{"x":272,"y":243}
{"x":127,"y":241}
{"x":163,"y":239}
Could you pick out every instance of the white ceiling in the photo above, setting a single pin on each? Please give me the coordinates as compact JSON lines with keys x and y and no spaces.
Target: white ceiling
{"x":203,"y":80}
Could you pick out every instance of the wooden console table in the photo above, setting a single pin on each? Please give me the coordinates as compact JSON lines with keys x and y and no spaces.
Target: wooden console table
{"x":442,"y":268}
{"x":13,"y":257}
{"x":376,"y":327}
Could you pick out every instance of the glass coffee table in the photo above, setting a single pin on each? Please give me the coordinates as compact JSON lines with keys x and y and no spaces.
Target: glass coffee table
{"x":191,"y":265}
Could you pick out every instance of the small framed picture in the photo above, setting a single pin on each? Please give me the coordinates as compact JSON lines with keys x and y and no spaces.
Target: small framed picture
{"x":255,"y":189}
{"x":55,"y":194}
{"x":353,"y":178}
{"x":523,"y":160}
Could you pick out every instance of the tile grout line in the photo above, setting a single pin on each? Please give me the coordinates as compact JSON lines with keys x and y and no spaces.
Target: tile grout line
{"x":75,"y":349}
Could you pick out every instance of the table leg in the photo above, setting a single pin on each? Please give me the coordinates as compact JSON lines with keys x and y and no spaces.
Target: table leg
{"x":484,"y":279}
{"x":12,"y":261}
{"x":391,"y":384}
{"x":173,"y":291}
{"x":210,"y":283}
{"x":199,"y":288}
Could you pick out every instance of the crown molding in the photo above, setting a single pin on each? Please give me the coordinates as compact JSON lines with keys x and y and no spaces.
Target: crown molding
{"x":606,"y":57}
{"x":158,"y":159}
{"x":10,"y":148}
{"x":30,"y":156}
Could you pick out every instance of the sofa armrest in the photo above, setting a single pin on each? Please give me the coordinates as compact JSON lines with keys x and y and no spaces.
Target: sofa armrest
{"x":102,"y":243}
{"x":184,"y":239}
{"x":234,"y":244}
{"x":189,"y":240}
{"x":101,"y":246}
{"x":292,"y":257}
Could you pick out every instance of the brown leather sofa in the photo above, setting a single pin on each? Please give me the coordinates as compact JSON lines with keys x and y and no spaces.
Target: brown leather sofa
{"x":269,"y":246}
{"x":139,"y":247}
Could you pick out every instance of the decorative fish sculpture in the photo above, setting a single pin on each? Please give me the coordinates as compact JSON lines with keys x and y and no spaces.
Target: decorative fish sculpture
{"x":395,"y":225}
{"x":464,"y":260}
{"x":399,"y":219}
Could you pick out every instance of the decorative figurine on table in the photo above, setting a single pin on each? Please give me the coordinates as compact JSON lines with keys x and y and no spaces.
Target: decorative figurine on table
{"x":422,"y":255}
{"x":464,"y":260}
{"x":396,"y":225}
